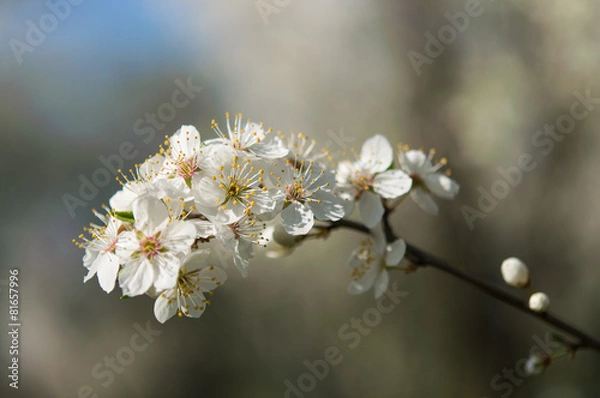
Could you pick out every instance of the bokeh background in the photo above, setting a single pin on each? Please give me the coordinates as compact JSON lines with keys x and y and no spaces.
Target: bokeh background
{"x":330,"y":69}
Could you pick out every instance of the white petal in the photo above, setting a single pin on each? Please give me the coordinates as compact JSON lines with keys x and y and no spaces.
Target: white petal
{"x":395,"y":252}
{"x":270,"y":148}
{"x":178,"y":236}
{"x":415,"y":162}
{"x":196,"y":260}
{"x":204,"y":228}
{"x":331,"y":208}
{"x":377,"y":153}
{"x":208,"y":193}
{"x":392,"y":184}
{"x":165,"y":305}
{"x":441,"y":185}
{"x":211,"y":277}
{"x":122,"y":200}
{"x":297,"y":219}
{"x":136,"y":278}
{"x":149,"y":213}
{"x":107,"y":272}
{"x":370,"y":208}
{"x":424,"y":200}
{"x":381,"y":283}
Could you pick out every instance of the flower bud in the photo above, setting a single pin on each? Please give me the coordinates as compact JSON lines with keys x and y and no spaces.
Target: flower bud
{"x":515,"y":272}
{"x":539,"y":302}
{"x":536,"y":364}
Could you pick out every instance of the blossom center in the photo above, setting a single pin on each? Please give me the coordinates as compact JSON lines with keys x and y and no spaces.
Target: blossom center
{"x":150,"y":246}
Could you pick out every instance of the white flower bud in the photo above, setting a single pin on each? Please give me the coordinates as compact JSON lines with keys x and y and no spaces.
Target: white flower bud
{"x":539,"y":302}
{"x":515,"y":272}
{"x":536,"y":364}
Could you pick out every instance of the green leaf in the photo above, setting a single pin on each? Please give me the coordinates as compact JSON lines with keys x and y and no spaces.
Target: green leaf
{"x":125,"y":216}
{"x":124,"y":297}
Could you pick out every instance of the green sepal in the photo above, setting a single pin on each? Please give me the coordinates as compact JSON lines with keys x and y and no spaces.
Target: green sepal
{"x":125,"y":216}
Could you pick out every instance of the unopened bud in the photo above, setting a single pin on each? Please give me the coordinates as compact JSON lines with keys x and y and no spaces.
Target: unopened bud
{"x":539,"y":302}
{"x":536,"y":364}
{"x":515,"y":272}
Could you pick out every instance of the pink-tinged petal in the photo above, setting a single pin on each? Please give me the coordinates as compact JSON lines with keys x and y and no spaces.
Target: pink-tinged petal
{"x":441,"y":185}
{"x":392,"y":184}
{"x":424,"y":200}
{"x":149,"y":213}
{"x":381,"y":283}
{"x":165,"y":305}
{"x":370,"y":208}
{"x":136,"y":278}
{"x":377,"y":153}
{"x":297,"y":219}
{"x":395,"y":252}
{"x":107,"y":271}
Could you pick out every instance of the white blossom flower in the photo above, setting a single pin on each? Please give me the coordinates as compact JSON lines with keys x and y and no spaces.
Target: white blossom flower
{"x":370,"y":261}
{"x":151,"y":252}
{"x":368,"y":179}
{"x":145,"y":181}
{"x":236,"y":187}
{"x":539,"y":302}
{"x":307,"y":190}
{"x":185,"y":159}
{"x":300,"y":147}
{"x":427,"y":179}
{"x":240,"y":237}
{"x":195,"y":278}
{"x":515,"y":272}
{"x":251,"y":138}
{"x":100,"y":258}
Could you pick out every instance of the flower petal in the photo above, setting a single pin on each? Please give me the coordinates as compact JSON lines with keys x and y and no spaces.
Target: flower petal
{"x":424,"y":200}
{"x":370,"y":208}
{"x":377,"y":153}
{"x":441,"y":185}
{"x":395,"y":252}
{"x":381,"y":283}
{"x":165,"y":305}
{"x":297,"y":219}
{"x":107,"y":271}
{"x":392,"y":184}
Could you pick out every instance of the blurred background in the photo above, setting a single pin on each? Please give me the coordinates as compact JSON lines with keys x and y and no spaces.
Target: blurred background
{"x":83,"y":82}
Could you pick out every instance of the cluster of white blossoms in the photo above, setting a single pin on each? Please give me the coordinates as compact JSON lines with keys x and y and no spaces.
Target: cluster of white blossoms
{"x":201,"y":205}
